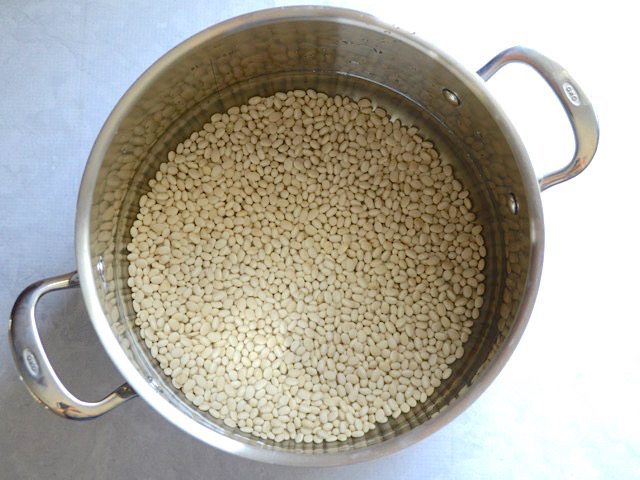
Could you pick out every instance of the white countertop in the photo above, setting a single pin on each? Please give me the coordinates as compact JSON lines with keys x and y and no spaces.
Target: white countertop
{"x":565,"y":406}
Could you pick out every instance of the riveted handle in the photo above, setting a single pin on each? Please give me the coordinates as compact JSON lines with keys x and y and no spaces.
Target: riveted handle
{"x":34,"y":366}
{"x":576,"y":104}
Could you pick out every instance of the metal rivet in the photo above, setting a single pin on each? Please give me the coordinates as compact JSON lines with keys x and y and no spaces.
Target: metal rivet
{"x":101,"y":273}
{"x":155,"y":384}
{"x":513,"y":204}
{"x":451,"y":97}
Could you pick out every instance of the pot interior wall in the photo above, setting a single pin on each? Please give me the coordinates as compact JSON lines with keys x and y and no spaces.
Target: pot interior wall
{"x":348,"y":58}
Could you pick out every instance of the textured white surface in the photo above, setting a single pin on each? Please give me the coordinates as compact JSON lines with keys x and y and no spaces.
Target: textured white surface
{"x":566,"y":405}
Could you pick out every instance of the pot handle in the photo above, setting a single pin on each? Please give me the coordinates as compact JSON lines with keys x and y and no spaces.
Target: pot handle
{"x":33,"y":365}
{"x":576,"y":104}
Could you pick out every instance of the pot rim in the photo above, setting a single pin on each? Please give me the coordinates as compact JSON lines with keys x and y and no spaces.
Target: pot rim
{"x":179,"y":418}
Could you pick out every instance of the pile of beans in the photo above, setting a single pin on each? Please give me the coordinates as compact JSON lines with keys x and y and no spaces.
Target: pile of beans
{"x":304,"y":267}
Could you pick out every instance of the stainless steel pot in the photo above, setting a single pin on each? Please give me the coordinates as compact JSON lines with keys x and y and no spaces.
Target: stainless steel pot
{"x":333,"y":50}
